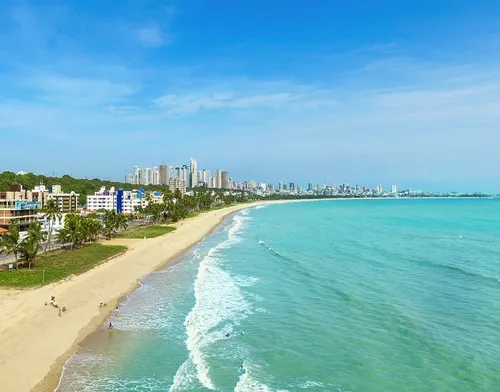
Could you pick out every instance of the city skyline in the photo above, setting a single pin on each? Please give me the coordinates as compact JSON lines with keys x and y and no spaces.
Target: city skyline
{"x":349,"y":92}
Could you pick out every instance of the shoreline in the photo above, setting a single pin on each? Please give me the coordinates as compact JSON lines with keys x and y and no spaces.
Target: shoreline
{"x":38,"y":343}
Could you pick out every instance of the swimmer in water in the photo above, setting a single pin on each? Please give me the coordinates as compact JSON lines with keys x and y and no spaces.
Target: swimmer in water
{"x":227,"y":335}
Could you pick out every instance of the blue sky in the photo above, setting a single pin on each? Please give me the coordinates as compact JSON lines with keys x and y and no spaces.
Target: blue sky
{"x":364,"y":92}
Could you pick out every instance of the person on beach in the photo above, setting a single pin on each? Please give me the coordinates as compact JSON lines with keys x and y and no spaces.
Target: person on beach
{"x":52,"y":300}
{"x":110,"y":327}
{"x":100,"y":305}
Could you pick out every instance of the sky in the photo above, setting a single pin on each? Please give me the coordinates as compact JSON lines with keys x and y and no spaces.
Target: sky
{"x":323,"y":91}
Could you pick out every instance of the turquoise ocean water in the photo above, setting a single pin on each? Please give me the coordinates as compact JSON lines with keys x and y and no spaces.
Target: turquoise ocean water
{"x":350,"y":295}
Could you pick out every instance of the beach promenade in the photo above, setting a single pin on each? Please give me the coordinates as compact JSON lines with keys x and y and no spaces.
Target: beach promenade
{"x":36,"y":342}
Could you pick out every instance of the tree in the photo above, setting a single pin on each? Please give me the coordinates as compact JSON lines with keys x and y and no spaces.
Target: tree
{"x":30,"y":245}
{"x":113,"y":221}
{"x":9,"y":243}
{"x":72,"y":232}
{"x":51,"y":212}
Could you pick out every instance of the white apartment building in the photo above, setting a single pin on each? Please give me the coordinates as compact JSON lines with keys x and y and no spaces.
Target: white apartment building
{"x":155,"y":180}
{"x":193,"y":173}
{"x":114,"y":200}
{"x":206,"y":176}
{"x":129,"y":179}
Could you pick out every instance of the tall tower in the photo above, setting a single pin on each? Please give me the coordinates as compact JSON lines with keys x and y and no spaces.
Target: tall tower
{"x":224,"y":180}
{"x":163,"y":174}
{"x":193,"y":173}
{"x":137,"y":175}
{"x":218,"y":179}
{"x":206,"y":177}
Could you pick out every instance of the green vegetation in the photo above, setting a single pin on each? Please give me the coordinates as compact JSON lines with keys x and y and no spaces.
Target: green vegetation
{"x":57,"y":265}
{"x":177,"y":206}
{"x":79,"y":230}
{"x":27,"y":248}
{"x":51,"y":212}
{"x":82,"y":186}
{"x":148,"y":232}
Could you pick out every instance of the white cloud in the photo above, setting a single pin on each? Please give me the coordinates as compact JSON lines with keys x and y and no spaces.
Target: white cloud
{"x":152,"y":37}
{"x":181,"y":104}
{"x":79,"y":91}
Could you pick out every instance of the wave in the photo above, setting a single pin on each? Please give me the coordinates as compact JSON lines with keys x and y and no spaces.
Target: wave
{"x":296,"y":265}
{"x":317,"y":384}
{"x":261,"y":207}
{"x":247,"y":383}
{"x":465,"y":272}
{"x":219,"y":305}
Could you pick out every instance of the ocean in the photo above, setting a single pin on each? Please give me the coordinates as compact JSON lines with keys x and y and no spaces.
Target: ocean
{"x":346,"y":295}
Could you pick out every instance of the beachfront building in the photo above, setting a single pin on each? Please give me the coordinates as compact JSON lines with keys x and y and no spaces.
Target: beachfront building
{"x":119,"y":200}
{"x":67,"y":202}
{"x":20,"y":206}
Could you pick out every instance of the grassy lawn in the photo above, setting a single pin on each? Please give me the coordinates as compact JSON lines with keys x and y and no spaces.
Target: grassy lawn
{"x":58,"y":265}
{"x":148,"y":232}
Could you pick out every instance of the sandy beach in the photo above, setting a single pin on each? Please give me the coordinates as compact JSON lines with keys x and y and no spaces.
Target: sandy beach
{"x":36,"y":342}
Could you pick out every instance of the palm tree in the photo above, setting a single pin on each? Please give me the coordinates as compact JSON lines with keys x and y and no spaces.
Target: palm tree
{"x":30,"y":245}
{"x":52,"y":211}
{"x":121,"y":222}
{"x":71,"y":233}
{"x":112,"y":222}
{"x":9,"y":243}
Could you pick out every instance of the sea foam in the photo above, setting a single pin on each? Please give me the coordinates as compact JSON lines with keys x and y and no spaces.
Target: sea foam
{"x":219,"y":305}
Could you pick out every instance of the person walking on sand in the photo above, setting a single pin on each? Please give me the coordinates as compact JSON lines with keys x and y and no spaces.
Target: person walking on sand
{"x":60,"y":312}
{"x":110,"y":327}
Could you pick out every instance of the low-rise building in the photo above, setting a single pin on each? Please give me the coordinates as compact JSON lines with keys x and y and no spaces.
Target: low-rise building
{"x":117,"y":200}
{"x":67,"y":202}
{"x":20,"y":206}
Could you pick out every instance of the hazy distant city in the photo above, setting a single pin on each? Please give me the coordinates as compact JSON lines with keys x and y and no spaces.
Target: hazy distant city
{"x":184,"y":177}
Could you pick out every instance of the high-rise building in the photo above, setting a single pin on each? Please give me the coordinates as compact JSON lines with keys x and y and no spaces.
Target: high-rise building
{"x":193,"y":173}
{"x":137,"y":175}
{"x":177,"y":183}
{"x":163,"y":174}
{"x":218,"y":179}
{"x":292,"y":187}
{"x":211,"y":183}
{"x":280,"y":186}
{"x":129,"y":179}
{"x":380,"y":189}
{"x":206,"y":177}
{"x":155,"y":176}
{"x":224,"y":180}
{"x":310,"y":186}
{"x":394,"y":189}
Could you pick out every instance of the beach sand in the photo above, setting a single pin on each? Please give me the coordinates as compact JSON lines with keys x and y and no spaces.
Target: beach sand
{"x":36,"y":342}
